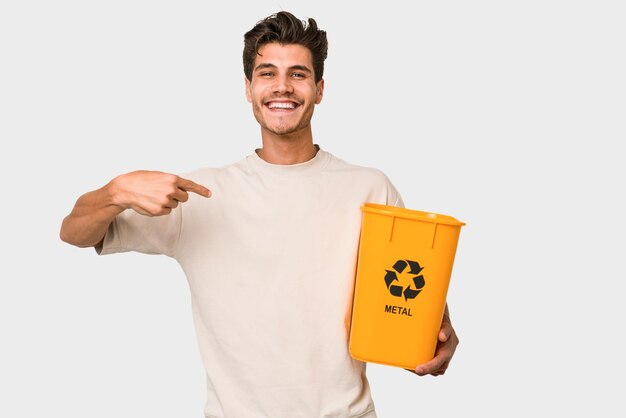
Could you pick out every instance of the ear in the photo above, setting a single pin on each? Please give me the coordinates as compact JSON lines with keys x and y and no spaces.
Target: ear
{"x":320,"y":91}
{"x":248,"y":91}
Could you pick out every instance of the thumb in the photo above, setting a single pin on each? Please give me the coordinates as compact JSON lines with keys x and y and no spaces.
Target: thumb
{"x":443,"y":336}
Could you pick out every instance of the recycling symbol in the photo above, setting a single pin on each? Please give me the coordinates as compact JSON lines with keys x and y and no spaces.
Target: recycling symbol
{"x":416,"y":279}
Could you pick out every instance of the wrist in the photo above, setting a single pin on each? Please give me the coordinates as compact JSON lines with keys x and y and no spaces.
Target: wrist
{"x":115,"y":194}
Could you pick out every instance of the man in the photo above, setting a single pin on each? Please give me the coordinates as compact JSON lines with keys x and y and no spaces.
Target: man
{"x":269,"y":252}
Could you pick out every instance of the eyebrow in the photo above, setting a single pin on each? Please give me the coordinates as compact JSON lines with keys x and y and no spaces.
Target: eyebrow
{"x":293,"y":67}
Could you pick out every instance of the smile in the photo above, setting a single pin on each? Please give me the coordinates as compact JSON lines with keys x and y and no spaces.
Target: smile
{"x":281,"y":105}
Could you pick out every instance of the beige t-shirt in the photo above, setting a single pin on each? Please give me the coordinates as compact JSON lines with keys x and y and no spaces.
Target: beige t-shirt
{"x":270,"y":259}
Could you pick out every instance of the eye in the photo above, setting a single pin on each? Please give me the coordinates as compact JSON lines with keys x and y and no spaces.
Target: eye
{"x":298,"y":75}
{"x":266,"y":74}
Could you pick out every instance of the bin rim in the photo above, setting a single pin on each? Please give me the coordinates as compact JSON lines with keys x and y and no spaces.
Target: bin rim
{"x":419,"y":215}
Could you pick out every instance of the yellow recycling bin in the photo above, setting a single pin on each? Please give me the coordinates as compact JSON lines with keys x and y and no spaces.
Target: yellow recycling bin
{"x":403,"y":273}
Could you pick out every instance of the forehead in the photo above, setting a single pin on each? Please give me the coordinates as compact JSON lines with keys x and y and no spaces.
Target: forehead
{"x":284,"y":56}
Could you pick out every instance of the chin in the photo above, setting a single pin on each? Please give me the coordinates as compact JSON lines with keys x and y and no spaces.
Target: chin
{"x":283,"y":130}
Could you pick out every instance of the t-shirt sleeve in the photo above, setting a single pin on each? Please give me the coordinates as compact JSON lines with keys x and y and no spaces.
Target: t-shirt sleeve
{"x":131,"y":231}
{"x":393,"y":196}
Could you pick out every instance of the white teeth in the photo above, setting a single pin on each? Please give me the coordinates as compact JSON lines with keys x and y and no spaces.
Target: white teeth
{"x":281,"y":105}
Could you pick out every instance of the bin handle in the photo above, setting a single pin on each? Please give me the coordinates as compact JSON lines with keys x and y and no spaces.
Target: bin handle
{"x":432,"y":241}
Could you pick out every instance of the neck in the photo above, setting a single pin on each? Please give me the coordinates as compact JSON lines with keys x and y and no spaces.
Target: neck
{"x":287,"y":149}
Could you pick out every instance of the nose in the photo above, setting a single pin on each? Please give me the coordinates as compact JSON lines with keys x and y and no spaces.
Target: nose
{"x":283,"y":85}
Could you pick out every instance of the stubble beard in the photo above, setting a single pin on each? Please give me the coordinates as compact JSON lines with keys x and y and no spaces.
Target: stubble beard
{"x":282,"y":128}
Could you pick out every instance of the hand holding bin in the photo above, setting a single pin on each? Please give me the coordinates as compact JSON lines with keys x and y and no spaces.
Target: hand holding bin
{"x":403,"y":274}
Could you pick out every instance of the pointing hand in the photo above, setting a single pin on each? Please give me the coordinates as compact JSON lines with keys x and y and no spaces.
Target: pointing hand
{"x":154,"y":193}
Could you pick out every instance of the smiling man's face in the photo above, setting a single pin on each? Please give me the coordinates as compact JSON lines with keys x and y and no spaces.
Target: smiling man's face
{"x":283,"y":91}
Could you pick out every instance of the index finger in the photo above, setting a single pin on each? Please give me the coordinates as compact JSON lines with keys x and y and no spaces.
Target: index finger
{"x":191,"y":186}
{"x":431,"y":366}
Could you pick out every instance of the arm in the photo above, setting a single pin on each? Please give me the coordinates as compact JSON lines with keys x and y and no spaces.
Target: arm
{"x":446,"y":346}
{"x":150,"y":193}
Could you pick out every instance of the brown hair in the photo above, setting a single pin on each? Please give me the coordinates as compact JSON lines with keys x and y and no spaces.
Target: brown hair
{"x":284,"y":28}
